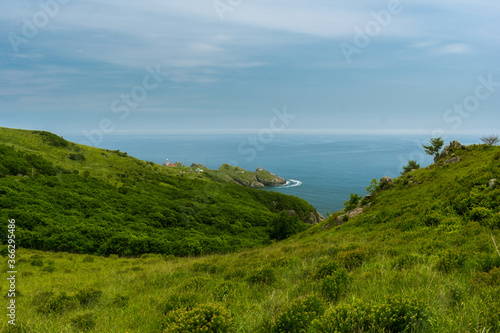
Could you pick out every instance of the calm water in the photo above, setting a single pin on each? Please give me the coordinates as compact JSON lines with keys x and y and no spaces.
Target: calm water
{"x":326,"y":168}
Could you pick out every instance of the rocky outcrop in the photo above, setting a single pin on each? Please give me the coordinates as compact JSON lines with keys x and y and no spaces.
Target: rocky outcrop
{"x":386,"y":180}
{"x":268,"y":179}
{"x":343,"y":218}
{"x":448,"y":151}
{"x":452,"y":160}
{"x":247,"y":183}
{"x":258,"y":179}
{"x":314,"y":217}
{"x":197,"y":165}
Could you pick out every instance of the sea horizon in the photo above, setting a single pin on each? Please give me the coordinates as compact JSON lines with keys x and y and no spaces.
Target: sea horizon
{"x":326,"y":168}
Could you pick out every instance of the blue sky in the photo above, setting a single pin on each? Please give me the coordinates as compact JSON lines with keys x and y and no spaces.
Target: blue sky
{"x":217,"y":66}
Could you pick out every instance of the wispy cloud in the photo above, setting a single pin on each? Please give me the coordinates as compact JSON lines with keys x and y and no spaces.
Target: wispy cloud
{"x":264,"y":53}
{"x":455,"y":48}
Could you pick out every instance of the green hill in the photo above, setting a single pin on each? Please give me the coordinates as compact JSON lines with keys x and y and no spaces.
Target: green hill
{"x":74,"y":198}
{"x":418,"y":255}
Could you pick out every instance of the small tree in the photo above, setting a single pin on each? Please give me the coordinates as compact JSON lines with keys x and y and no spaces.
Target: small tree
{"x":373,"y":186}
{"x":490,"y":140}
{"x":352,"y":202}
{"x":412,"y":165}
{"x":434,"y":148}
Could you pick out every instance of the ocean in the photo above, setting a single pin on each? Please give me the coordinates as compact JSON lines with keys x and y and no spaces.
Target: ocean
{"x":322,"y":169}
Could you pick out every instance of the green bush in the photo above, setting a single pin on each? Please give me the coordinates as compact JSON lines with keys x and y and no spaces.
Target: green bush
{"x":185,"y":301}
{"x":490,"y":279}
{"x":481,"y":215}
{"x":284,"y":226}
{"x":52,"y":139}
{"x":353,"y":201}
{"x":49,"y":302}
{"x":209,"y":318}
{"x":48,"y":269}
{"x":335,"y":285}
{"x":299,"y":315}
{"x":223,"y":290}
{"x":344,"y":318}
{"x":264,"y":275}
{"x":352,"y":259}
{"x":325,"y":269}
{"x":37,"y":262}
{"x":405,"y":261}
{"x":84,"y":321}
{"x":395,"y":314}
{"x":450,"y":260}
{"x":486,"y":261}
{"x":196,"y":283}
{"x":432,"y":219}
{"x":88,"y":259}
{"x":398,"y":314}
{"x":88,"y":295}
{"x":412,"y":165}
{"x":76,"y":157}
{"x":120,"y":301}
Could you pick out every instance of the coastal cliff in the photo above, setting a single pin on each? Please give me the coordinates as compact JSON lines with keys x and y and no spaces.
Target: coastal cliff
{"x":258,"y":179}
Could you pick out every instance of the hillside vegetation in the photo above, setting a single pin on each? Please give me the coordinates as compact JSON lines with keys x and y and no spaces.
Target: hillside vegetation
{"x":79,"y":199}
{"x":419,"y":258}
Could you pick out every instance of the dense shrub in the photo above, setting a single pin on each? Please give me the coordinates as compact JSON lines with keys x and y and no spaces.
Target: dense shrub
{"x":37,"y":262}
{"x":335,"y":285}
{"x":120,"y":301}
{"x":405,"y":261}
{"x":196,"y":283}
{"x":88,"y":259}
{"x":490,"y":279}
{"x":299,"y":315}
{"x":83,"y":322}
{"x":481,"y":215}
{"x":450,"y":260}
{"x":49,"y":302}
{"x":263,"y":275}
{"x":486,"y":261}
{"x":52,"y":139}
{"x":353,"y":201}
{"x":88,"y":295}
{"x":344,"y":318}
{"x":48,"y":269}
{"x":186,"y":301}
{"x":284,"y":226}
{"x":76,"y":157}
{"x":325,"y":269}
{"x":395,"y":314}
{"x":209,"y":318}
{"x":352,"y":259}
{"x":223,"y":290}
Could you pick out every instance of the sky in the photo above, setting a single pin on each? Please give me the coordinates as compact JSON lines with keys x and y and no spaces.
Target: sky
{"x":102,"y":67}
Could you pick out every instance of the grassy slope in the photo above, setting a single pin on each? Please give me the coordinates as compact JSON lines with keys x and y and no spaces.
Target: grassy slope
{"x":423,"y":239}
{"x":109,"y":165}
{"x":100,"y":163}
{"x":128,"y":206}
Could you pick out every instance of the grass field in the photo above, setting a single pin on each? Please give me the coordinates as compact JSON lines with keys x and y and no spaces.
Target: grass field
{"x":420,"y":258}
